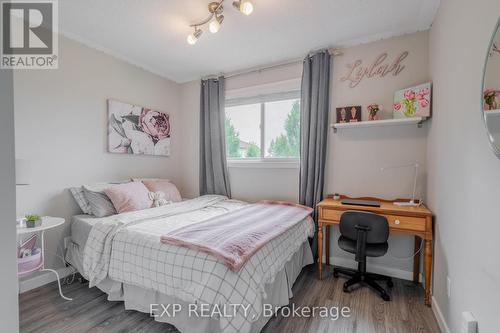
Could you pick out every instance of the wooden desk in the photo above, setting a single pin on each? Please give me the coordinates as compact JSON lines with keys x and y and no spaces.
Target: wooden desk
{"x":415,"y":221}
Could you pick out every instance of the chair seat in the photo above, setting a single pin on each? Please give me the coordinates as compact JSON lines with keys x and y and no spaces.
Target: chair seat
{"x":372,"y":250}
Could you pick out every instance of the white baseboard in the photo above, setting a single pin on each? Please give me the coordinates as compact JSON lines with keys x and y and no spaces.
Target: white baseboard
{"x":439,"y":316}
{"x":40,"y":279}
{"x":374,"y":268}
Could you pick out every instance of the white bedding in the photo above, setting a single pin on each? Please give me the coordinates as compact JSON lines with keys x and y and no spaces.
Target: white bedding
{"x":127,"y":248}
{"x":80,"y":228}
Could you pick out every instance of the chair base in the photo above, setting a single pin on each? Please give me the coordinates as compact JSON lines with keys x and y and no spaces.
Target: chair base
{"x":358,"y":277}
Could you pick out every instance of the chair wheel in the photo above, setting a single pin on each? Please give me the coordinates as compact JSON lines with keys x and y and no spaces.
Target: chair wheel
{"x":390,"y":284}
{"x":335,"y":274}
{"x":346,"y":288}
{"x":385,"y":297}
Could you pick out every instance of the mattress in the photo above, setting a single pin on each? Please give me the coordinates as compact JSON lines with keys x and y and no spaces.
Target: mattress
{"x":80,"y":228}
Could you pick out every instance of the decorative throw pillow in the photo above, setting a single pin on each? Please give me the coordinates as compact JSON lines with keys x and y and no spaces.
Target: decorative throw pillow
{"x":129,"y":197}
{"x":168,"y":188}
{"x":80,"y":199}
{"x":100,"y":205}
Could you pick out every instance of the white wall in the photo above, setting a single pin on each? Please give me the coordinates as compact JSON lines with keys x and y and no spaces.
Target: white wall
{"x":8,"y":278}
{"x":61,"y":127}
{"x":463,"y":181}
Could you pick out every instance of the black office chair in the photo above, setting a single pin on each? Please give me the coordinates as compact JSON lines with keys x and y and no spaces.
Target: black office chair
{"x":364,"y":234}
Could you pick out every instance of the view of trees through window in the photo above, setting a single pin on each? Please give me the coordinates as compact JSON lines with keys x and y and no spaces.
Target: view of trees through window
{"x":287,"y":144}
{"x":263,"y":130}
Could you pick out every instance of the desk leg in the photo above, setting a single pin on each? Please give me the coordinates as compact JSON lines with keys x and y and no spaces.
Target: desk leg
{"x":416,"y":260}
{"x":320,"y":250}
{"x":427,"y":269}
{"x":327,"y":245}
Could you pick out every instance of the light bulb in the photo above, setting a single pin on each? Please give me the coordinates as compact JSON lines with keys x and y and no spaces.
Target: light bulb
{"x":193,"y":38}
{"x":246,"y":7}
{"x":214,"y":26}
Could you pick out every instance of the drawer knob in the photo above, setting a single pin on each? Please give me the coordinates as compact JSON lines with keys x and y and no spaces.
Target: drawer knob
{"x":397,"y":222}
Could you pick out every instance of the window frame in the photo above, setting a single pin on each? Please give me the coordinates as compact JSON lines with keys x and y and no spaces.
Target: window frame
{"x":263,"y":161}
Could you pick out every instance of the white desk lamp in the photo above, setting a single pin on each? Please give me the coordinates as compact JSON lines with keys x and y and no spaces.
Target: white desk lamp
{"x":412,"y":202}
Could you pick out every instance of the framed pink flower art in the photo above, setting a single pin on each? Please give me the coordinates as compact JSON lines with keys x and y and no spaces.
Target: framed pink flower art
{"x":413,"y":102}
{"x":137,"y":130}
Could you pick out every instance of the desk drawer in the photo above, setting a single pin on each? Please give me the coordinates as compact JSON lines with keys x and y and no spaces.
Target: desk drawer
{"x":331,"y":214}
{"x":406,"y":223}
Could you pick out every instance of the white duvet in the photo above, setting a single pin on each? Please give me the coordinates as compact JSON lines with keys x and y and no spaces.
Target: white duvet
{"x":127,"y":249}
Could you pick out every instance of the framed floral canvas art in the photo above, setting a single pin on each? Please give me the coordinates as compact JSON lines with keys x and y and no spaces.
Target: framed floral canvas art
{"x":413,"y":102}
{"x":137,"y":130}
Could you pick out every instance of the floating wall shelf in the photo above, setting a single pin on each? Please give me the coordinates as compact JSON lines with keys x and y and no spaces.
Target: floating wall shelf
{"x":377,"y":123}
{"x":492,"y":113}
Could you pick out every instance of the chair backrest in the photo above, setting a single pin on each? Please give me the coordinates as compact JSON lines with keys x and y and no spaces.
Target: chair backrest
{"x":378,"y":226}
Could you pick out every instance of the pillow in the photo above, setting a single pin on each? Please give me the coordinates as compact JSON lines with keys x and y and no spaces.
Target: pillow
{"x":141,"y":179}
{"x":80,"y":199}
{"x":169,"y":189}
{"x":129,"y":197}
{"x":100,"y":205}
{"x":99,"y":187}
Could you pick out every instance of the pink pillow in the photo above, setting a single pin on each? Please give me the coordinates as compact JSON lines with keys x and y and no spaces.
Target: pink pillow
{"x":171,"y":192}
{"x":129,"y":197}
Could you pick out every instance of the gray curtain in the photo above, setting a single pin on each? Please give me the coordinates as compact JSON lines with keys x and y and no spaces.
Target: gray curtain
{"x":314,"y":110}
{"x":214,"y":177}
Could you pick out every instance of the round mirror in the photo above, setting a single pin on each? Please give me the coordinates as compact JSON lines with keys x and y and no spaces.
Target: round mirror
{"x":491,"y":92}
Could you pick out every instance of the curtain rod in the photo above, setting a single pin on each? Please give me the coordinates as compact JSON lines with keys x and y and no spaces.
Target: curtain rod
{"x":333,"y":52}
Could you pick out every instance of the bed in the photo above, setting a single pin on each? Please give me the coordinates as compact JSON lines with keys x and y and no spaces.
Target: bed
{"x":122,"y":255}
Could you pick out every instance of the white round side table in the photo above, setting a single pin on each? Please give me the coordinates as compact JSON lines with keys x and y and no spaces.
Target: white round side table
{"x":47,"y":223}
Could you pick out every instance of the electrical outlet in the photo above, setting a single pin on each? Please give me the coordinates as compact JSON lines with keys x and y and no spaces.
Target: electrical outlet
{"x":469,"y":323}
{"x":448,"y":286}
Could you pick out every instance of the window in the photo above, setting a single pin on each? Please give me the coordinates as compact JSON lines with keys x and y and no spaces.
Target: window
{"x":264,"y":127}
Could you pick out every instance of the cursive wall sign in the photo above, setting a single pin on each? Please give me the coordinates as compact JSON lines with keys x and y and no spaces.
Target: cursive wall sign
{"x":379,"y":68}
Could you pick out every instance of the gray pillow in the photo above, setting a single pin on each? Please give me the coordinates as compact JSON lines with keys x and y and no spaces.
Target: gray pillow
{"x":100,"y":205}
{"x":80,"y":199}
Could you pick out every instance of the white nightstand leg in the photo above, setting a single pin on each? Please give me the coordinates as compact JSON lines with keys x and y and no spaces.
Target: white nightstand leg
{"x":58,"y":283}
{"x":51,"y":270}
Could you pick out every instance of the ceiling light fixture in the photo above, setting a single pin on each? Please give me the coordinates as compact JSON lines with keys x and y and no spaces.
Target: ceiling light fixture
{"x":216,"y":18}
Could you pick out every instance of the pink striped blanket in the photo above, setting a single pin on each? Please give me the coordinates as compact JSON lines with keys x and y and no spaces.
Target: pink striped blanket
{"x":234,"y":237}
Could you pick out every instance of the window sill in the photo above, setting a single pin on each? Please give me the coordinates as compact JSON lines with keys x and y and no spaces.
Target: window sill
{"x":269,"y":164}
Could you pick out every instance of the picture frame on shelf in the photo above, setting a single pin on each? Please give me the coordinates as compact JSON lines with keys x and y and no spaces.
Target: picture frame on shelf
{"x":348,"y":114}
{"x":413,"y":102}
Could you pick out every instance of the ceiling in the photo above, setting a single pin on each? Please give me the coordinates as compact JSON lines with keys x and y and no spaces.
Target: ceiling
{"x":152,"y":33}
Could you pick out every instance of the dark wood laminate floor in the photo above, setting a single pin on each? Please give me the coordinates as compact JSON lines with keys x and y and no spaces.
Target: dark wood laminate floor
{"x":42,"y":310}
